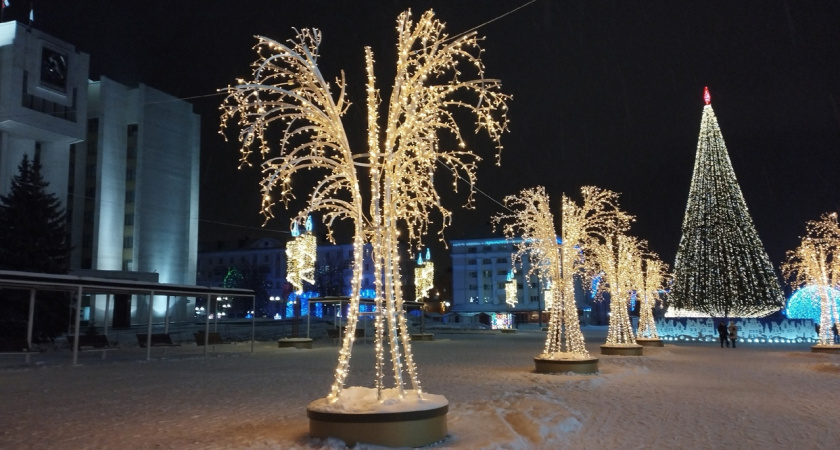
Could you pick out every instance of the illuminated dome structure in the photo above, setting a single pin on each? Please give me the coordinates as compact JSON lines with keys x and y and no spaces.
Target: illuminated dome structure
{"x":805,"y":302}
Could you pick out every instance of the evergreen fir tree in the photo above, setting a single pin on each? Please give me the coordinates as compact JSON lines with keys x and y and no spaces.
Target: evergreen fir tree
{"x":33,"y":238}
{"x":33,"y":226}
{"x":721,"y":267}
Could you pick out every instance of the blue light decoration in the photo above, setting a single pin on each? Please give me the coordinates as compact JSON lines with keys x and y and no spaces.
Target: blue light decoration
{"x":304,"y":303}
{"x":295,"y":230}
{"x":368,"y":294}
{"x":805,"y":302}
{"x":593,"y":289}
{"x":428,"y":254}
{"x":308,"y":224}
{"x":633,"y":301}
{"x":319,"y":310}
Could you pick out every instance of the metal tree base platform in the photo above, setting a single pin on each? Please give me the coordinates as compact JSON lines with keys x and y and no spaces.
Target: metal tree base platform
{"x":566,"y":365}
{"x":398,"y":429}
{"x":622,"y":350}
{"x":294,"y":343}
{"x":835,"y":349}
{"x":650,"y":342}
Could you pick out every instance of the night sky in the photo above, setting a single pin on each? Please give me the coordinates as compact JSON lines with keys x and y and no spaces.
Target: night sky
{"x":606,"y":93}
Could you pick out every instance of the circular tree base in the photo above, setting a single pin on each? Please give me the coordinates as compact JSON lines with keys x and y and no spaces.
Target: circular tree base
{"x":396,"y":429}
{"x":622,"y":350}
{"x":294,"y":343}
{"x":650,"y":342}
{"x":423,"y":337}
{"x":835,"y":349}
{"x":566,"y":365}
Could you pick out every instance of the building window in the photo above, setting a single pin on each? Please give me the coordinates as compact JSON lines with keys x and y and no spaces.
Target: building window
{"x":473,"y":287}
{"x":501,"y":260}
{"x":535,"y":298}
{"x":487,"y":261}
{"x":488,"y":286}
{"x":487,"y":249}
{"x":501,"y":272}
{"x":128,"y":242}
{"x":473,"y":274}
{"x":471,"y":250}
{"x":129,"y":220}
{"x":471,"y":262}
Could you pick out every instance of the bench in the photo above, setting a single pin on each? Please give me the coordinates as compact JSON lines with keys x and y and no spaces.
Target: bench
{"x":158,"y":340}
{"x":92,"y":343}
{"x":212,"y":338}
{"x":335,"y":333}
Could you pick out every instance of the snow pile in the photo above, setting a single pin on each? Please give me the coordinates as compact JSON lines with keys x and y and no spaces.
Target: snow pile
{"x":360,"y":400}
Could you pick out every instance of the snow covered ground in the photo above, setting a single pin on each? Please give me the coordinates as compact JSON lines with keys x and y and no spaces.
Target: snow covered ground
{"x":680,"y":396}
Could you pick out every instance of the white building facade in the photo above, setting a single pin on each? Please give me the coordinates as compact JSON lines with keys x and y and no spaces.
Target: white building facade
{"x":124,"y":161}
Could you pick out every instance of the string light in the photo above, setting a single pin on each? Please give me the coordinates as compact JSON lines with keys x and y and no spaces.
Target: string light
{"x":432,"y":82}
{"x":531,"y":220}
{"x":721,"y":267}
{"x":424,"y":276}
{"x":301,"y":253}
{"x":654,"y":279}
{"x":619,"y":261}
{"x":816,"y":264}
{"x":510,"y":290}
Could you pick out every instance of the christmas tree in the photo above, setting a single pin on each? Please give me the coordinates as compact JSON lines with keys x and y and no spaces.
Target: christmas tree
{"x":721,"y":269}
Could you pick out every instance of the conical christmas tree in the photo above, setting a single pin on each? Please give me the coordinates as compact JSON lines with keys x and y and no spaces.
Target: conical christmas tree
{"x":722,"y":269}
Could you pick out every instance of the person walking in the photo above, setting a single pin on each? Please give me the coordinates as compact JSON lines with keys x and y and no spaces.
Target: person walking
{"x":722,"y":333}
{"x":836,"y":334}
{"x":733,"y":333}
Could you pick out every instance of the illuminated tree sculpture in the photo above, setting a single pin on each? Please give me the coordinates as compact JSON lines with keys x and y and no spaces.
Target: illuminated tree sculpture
{"x":721,"y":267}
{"x":432,"y":83}
{"x":816,"y":262}
{"x":619,"y":261}
{"x":655,"y":277}
{"x":533,"y":222}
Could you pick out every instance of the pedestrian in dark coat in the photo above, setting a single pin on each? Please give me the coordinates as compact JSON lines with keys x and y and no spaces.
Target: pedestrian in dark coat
{"x":733,"y":333}
{"x":722,"y":332}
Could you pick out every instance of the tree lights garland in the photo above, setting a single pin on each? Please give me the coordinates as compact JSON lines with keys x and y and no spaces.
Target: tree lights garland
{"x":816,"y":262}
{"x":619,"y":261}
{"x":430,"y":85}
{"x":533,"y":221}
{"x":721,"y":267}
{"x":655,"y":277}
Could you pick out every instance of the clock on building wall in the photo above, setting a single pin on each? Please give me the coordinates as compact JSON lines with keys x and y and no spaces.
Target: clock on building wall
{"x":53,"y":69}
